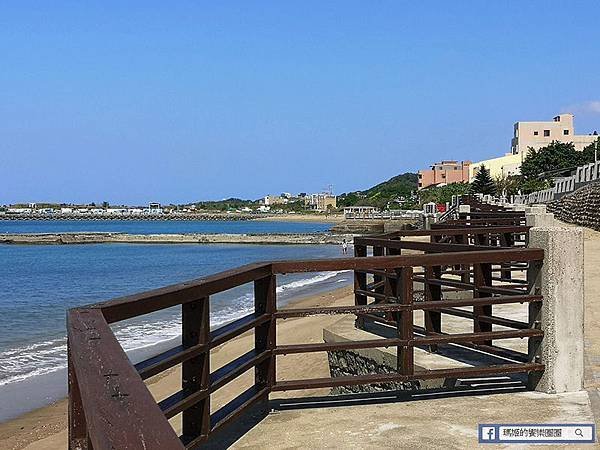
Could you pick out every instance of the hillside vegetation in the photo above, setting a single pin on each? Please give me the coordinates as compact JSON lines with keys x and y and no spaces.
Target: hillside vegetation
{"x":394,"y":193}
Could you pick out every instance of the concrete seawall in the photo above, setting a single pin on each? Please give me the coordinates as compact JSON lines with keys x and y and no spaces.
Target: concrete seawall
{"x":191,"y":238}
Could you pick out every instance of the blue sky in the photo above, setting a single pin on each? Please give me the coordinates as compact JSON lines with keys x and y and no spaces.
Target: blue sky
{"x":181,"y":101}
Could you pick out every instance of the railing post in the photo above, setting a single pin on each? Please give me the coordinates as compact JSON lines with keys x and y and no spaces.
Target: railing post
{"x":506,"y":240}
{"x":378,"y":251}
{"x":534,"y":280}
{"x":360,"y":283}
{"x":265,"y":302}
{"x":78,"y":438}
{"x":482,"y":275}
{"x":433,"y":319}
{"x":405,"y":354}
{"x":196,"y":371}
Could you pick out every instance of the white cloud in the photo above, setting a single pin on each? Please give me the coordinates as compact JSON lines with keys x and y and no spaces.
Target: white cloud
{"x":589,"y":107}
{"x":593,"y":106}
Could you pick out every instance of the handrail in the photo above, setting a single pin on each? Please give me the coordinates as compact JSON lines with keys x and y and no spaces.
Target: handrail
{"x":176,"y":294}
{"x":109,"y":390}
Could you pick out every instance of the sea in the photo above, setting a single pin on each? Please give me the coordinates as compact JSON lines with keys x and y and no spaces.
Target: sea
{"x":38,"y":283}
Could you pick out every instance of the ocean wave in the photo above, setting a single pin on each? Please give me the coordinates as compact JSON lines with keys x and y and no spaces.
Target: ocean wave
{"x":309,"y":281}
{"x":40,"y":358}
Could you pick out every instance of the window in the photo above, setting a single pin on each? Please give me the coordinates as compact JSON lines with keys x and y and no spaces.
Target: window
{"x":535,"y":133}
{"x":566,"y":132}
{"x":546,"y":133}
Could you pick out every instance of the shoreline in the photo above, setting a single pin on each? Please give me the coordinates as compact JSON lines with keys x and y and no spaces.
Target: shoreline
{"x":73,"y":238}
{"x":192,"y":217}
{"x":319,"y":218}
{"x":45,"y":427}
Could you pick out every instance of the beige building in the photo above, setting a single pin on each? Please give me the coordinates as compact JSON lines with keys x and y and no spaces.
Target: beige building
{"x":271,"y":200}
{"x":503,"y":166}
{"x":321,"y":202}
{"x":535,"y":135}
{"x":540,"y":134}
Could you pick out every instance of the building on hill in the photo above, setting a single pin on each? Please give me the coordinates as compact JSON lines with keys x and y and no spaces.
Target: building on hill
{"x":321,"y":202}
{"x":539,"y":134}
{"x":445,"y":172}
{"x":502,"y":166}
{"x":271,"y":200}
{"x":533,"y":135}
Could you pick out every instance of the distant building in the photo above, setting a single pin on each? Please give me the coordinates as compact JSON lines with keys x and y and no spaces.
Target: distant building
{"x":321,"y":202}
{"x":445,"y":172}
{"x":539,"y":134}
{"x":503,"y":166}
{"x":155,"y":208}
{"x":533,"y":135}
{"x":271,"y":200}
{"x":360,"y":212}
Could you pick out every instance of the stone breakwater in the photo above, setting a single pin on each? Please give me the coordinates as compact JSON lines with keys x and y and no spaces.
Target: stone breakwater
{"x":343,"y":363}
{"x":581,"y":207}
{"x":130,"y":217}
{"x":188,"y":238}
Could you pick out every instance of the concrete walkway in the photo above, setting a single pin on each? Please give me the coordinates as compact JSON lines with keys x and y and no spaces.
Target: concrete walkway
{"x":447,"y":423}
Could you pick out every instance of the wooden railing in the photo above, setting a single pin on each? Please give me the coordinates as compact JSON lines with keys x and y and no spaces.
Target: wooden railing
{"x":110,"y":405}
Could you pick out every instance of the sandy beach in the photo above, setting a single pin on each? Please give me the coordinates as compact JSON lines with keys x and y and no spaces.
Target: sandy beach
{"x":46,"y":428}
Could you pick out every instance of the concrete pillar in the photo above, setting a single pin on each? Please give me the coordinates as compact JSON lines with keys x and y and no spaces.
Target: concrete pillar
{"x":538,"y":209}
{"x":540,"y":220}
{"x":560,"y":281}
{"x":464,"y":209}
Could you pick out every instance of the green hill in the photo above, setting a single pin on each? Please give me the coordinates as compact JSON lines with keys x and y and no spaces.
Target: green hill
{"x":397,"y":192}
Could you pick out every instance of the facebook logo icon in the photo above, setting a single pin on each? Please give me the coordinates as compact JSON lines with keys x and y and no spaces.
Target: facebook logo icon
{"x":488,"y":433}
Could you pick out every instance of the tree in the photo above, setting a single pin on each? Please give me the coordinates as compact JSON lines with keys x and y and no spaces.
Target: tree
{"x":591,"y":151}
{"x":483,"y":182}
{"x":507,"y":185}
{"x":550,"y":161}
{"x":442,"y":194}
{"x":382,"y":194}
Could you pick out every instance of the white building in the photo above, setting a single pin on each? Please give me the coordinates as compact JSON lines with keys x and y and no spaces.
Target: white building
{"x":155,"y":208}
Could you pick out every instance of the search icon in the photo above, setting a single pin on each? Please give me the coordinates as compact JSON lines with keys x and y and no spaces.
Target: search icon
{"x":578,"y":432}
